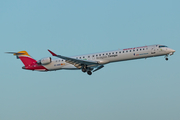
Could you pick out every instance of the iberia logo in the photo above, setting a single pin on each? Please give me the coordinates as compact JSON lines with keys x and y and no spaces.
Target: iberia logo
{"x":136,"y":54}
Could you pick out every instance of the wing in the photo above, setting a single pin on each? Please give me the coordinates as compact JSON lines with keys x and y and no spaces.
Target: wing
{"x":77,"y":62}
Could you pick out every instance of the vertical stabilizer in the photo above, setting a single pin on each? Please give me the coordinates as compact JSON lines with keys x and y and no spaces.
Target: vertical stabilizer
{"x":25,"y":58}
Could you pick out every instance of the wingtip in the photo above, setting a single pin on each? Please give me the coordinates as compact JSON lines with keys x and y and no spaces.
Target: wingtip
{"x":53,"y":54}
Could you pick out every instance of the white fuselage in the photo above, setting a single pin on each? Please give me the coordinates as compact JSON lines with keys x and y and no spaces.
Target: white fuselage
{"x":114,"y":56}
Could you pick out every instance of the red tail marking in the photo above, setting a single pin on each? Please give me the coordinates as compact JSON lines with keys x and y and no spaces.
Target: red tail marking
{"x":27,"y":60}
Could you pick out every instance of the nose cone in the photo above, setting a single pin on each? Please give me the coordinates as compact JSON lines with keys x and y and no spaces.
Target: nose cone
{"x":172,"y":50}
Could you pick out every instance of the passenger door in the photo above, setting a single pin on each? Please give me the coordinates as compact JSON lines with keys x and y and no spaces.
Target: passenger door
{"x":153,"y":50}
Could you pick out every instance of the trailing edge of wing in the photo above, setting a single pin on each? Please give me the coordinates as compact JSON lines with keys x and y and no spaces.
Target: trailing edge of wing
{"x":98,"y":68}
{"x":75,"y":61}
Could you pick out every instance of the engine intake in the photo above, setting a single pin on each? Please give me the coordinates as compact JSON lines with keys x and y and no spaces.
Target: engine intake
{"x":44,"y":61}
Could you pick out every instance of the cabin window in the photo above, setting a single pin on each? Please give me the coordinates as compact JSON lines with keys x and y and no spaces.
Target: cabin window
{"x":88,"y":56}
{"x":133,"y":50}
{"x":123,"y":51}
{"x":99,"y":54}
{"x":140,"y":49}
{"x":96,"y":55}
{"x":137,"y":49}
{"x":83,"y":57}
{"x":109,"y":53}
{"x":103,"y":54}
{"x":143,"y":48}
{"x":130,"y":51}
{"x":119,"y":51}
{"x":93,"y":55}
{"x":162,"y":46}
{"x":79,"y":57}
{"x":116,"y":52}
{"x":126,"y":51}
{"x":106,"y":53}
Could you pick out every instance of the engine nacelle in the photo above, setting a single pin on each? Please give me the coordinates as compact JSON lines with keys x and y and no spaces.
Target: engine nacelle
{"x":103,"y":62}
{"x":45,"y":61}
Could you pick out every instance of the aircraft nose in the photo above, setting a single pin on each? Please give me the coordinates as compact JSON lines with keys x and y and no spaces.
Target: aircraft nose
{"x":173,"y":51}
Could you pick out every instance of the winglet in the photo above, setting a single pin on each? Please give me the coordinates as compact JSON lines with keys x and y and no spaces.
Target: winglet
{"x":53,"y":54}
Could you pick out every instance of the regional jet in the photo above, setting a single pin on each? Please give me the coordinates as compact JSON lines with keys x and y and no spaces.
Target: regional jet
{"x":89,"y":63}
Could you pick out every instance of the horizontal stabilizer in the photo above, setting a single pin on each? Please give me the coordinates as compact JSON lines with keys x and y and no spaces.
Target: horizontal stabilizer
{"x":14,"y":53}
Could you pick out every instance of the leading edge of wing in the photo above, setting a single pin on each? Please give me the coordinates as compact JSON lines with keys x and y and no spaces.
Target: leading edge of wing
{"x":73,"y":60}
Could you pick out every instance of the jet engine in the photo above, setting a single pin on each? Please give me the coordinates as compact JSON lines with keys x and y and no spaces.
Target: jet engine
{"x":44,"y":61}
{"x":103,"y":62}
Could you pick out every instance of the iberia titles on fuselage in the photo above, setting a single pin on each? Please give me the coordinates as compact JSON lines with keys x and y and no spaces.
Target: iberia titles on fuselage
{"x":91,"y":62}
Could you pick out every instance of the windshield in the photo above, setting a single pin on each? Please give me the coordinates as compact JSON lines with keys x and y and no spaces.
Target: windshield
{"x":162,"y":46}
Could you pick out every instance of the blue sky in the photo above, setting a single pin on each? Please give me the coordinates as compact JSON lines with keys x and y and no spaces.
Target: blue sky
{"x":132,"y":90}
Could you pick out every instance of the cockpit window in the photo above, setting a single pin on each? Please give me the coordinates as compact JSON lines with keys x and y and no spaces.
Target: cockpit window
{"x":162,"y":46}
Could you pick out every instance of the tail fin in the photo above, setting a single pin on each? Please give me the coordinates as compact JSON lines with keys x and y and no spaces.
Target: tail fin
{"x":24,"y":57}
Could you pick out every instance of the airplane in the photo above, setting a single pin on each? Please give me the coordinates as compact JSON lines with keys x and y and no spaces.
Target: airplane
{"x":91,"y":62}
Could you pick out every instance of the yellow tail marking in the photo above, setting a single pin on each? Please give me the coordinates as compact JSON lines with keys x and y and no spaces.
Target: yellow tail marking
{"x":24,"y":53}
